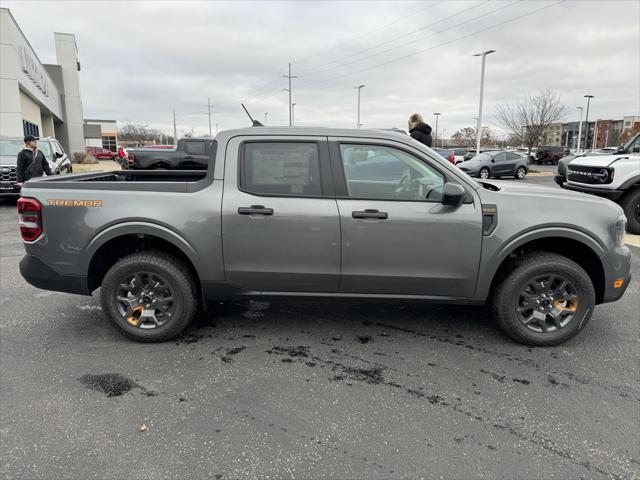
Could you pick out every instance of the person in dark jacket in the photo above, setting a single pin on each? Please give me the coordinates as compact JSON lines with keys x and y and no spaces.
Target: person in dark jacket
{"x":419,"y":130}
{"x":31,"y":162}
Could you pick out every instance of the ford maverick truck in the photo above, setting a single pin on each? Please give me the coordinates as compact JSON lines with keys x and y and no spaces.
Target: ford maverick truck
{"x":324,"y":213}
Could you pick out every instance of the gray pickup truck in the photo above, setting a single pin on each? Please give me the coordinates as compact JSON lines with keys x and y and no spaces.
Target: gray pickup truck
{"x":325,"y":213}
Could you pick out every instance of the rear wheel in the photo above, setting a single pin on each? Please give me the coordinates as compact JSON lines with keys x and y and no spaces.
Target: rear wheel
{"x":521,"y":172}
{"x":484,"y":173}
{"x":545,"y":300}
{"x":149,"y":296}
{"x":631,"y":206}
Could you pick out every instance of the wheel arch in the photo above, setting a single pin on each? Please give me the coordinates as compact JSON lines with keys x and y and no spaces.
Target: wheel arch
{"x":121,"y":240}
{"x":574,"y":245}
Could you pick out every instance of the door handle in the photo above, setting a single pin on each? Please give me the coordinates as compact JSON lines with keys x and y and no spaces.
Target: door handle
{"x":255,"y":210}
{"x":188,"y":157}
{"x":369,"y":213}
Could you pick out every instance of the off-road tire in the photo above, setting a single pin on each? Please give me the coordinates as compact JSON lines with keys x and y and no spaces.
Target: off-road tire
{"x":504,"y":299}
{"x":630,"y":204}
{"x":174,"y":271}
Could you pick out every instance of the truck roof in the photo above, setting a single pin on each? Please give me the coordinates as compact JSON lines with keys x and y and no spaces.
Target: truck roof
{"x":313,"y":131}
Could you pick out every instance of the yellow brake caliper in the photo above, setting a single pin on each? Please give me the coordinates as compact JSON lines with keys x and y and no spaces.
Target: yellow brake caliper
{"x":572,"y":305}
{"x":136,"y":314}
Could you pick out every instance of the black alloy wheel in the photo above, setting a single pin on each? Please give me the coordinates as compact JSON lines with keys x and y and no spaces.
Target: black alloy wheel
{"x":547,"y":303}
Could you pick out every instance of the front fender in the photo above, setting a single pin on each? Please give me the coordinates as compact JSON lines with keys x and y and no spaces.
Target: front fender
{"x":141,"y":228}
{"x":491,"y":261}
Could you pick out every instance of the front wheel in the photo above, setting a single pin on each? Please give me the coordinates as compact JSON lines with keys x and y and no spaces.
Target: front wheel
{"x":544,"y":300}
{"x":484,"y":173}
{"x":521,"y":172}
{"x":149,"y":296}
{"x":631,"y":206}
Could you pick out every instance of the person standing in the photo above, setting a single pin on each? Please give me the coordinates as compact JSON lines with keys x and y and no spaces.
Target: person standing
{"x":31,"y":162}
{"x":419,"y":130}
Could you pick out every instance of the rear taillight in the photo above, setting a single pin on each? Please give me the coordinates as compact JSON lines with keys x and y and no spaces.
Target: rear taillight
{"x":452,"y":159}
{"x":30,"y":218}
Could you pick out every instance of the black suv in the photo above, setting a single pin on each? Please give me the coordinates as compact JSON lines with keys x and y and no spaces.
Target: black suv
{"x":549,"y":155}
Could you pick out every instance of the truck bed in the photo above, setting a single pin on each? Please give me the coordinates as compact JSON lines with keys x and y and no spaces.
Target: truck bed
{"x":142,"y":180}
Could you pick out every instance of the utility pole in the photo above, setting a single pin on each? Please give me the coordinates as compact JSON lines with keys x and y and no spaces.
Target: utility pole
{"x":479,"y":128}
{"x":293,"y":114}
{"x":289,"y":90}
{"x":359,"y":87}
{"x":595,"y":135}
{"x":209,"y":107}
{"x":566,"y":140}
{"x":266,"y":114}
{"x":437,"y":114}
{"x":175,"y":132}
{"x":586,"y":121}
{"x":579,"y":130}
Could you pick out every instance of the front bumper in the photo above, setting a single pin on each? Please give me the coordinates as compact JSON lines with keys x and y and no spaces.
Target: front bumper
{"x":617,"y":266}
{"x":40,"y":275}
{"x":9,"y":189}
{"x":610,"y":194}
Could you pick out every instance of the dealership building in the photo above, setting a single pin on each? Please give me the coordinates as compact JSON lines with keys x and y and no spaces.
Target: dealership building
{"x":44,"y":100}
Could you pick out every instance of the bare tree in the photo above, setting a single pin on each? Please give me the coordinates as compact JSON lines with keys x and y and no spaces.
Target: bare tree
{"x":466,"y":137}
{"x":138,"y":132}
{"x":527,"y":118}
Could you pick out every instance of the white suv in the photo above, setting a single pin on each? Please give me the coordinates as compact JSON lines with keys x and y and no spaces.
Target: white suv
{"x":615,"y":176}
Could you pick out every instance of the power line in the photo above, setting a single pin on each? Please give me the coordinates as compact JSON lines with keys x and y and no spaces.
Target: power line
{"x":402,"y":36}
{"x":399,"y":37}
{"x":383,"y":27}
{"x":419,"y":39}
{"x":434,"y":46}
{"x":265,"y":88}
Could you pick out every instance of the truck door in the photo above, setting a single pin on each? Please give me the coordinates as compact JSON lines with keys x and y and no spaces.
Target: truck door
{"x":195,"y":154}
{"x":280,"y":226}
{"x":397,"y":237}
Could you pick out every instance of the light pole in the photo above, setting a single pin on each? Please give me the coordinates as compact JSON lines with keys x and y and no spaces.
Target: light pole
{"x":586,"y":122}
{"x":579,"y":129}
{"x":359,"y":87}
{"x":293,"y":114}
{"x":437,"y":114}
{"x":479,"y":128}
{"x":266,"y":114}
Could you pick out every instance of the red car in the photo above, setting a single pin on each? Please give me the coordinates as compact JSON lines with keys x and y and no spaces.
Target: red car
{"x":101,"y":153}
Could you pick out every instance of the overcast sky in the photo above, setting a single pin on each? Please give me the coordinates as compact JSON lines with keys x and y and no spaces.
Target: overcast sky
{"x":141,"y":60}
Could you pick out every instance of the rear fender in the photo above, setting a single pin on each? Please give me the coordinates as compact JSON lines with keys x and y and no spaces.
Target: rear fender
{"x":141,"y":228}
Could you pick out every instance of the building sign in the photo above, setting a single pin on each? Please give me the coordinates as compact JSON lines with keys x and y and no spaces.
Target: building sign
{"x":31,"y":67}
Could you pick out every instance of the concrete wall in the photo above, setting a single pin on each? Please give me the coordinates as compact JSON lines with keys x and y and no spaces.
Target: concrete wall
{"x":21,"y":70}
{"x":67,"y":58}
{"x":48,"y":129}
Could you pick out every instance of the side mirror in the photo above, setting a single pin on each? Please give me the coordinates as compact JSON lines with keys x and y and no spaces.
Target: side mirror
{"x":57,"y":155}
{"x":453,"y":194}
{"x":493,"y":160}
{"x":620,"y":149}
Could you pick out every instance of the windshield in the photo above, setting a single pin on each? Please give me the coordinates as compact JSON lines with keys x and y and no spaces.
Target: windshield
{"x":11,"y":147}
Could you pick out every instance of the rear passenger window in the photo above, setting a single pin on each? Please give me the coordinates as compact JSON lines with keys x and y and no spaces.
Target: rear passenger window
{"x":194,"y":148}
{"x":281,"y":169}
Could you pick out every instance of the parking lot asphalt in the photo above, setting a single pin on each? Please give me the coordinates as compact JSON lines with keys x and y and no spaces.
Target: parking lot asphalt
{"x":310,"y":389}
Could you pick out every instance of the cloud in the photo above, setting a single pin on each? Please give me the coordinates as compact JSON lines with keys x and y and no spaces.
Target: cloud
{"x":142,"y":60}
